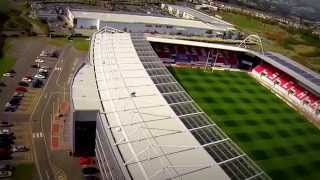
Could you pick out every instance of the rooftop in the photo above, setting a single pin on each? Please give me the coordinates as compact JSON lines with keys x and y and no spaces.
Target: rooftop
{"x":202,"y":16}
{"x":132,"y":18}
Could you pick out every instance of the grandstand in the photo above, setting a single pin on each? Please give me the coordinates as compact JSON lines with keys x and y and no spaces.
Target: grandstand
{"x":298,"y":85}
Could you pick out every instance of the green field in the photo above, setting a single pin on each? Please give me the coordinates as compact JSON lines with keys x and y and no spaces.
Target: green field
{"x":277,"y":137}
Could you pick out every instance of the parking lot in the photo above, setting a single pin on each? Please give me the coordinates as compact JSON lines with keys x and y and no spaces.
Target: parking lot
{"x":20,"y":91}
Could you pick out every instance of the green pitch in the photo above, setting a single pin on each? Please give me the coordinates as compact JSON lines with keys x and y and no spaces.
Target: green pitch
{"x":277,"y":137}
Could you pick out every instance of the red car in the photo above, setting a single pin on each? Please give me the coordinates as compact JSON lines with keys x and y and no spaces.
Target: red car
{"x":21,"y":89}
{"x":85,"y":161}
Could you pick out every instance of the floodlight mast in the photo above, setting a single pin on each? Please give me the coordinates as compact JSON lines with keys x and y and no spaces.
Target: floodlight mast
{"x":253,"y":38}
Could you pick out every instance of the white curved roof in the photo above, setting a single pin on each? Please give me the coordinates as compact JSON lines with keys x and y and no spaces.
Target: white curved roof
{"x":153,"y":142}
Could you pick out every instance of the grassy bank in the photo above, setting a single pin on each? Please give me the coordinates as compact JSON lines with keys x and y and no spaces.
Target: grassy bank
{"x":23,"y":172}
{"x":6,"y":61}
{"x":299,"y":46}
{"x":79,"y":43}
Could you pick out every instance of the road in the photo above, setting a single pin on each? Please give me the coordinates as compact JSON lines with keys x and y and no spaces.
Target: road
{"x":32,"y":120}
{"x":48,"y":162}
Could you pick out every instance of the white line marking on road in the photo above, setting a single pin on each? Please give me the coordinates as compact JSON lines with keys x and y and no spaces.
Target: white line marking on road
{"x":30,"y":119}
{"x":47,"y":174}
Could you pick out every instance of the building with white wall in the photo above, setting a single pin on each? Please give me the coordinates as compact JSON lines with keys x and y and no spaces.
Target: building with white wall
{"x":83,"y":21}
{"x":189,"y":13}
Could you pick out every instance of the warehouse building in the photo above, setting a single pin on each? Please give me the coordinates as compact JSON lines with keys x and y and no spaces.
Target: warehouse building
{"x":86,"y":22}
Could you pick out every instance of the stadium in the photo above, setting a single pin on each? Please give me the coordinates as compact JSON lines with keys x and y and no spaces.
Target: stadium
{"x":174,"y":109}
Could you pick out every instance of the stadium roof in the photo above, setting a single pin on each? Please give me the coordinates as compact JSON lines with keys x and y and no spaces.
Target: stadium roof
{"x":159,"y":131}
{"x":202,"y":16}
{"x":304,"y":75}
{"x":128,"y":18}
{"x":84,"y":91}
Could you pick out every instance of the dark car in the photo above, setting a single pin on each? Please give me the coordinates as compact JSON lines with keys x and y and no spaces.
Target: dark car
{"x":5,"y":124}
{"x":45,"y":74}
{"x":37,"y":83}
{"x":15,"y":101}
{"x":35,"y":66}
{"x":21,"y":89}
{"x":24,"y":84}
{"x":90,"y":171}
{"x":10,"y":108}
{"x":12,"y":71}
{"x":7,"y":137}
{"x":6,"y":167}
{"x":5,"y":154}
{"x":2,"y":84}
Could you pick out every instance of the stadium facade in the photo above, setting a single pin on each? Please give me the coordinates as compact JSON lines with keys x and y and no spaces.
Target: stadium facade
{"x":147,"y":126}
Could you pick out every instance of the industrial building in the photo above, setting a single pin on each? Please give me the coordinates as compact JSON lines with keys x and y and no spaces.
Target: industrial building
{"x":86,"y":22}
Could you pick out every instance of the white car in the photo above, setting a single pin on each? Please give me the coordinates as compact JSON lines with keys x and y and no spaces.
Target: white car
{"x":25,"y":79}
{"x":39,"y":76}
{"x":38,"y":60}
{"x":42,"y":70}
{"x":19,"y":148}
{"x":44,"y":54}
{"x":5,"y":131}
{"x":44,"y":67}
{"x":7,"y":75}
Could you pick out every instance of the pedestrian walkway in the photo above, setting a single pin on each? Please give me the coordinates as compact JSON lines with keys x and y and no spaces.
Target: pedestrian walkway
{"x":57,"y":126}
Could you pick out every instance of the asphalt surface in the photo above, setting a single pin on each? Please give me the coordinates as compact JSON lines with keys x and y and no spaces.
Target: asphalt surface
{"x":33,"y":118}
{"x":54,"y":164}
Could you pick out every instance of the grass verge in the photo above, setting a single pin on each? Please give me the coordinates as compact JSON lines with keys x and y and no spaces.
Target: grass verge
{"x":23,"y":172}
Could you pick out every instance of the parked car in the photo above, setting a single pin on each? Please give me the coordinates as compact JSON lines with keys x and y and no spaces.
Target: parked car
{"x":44,"y":54}
{"x":12,"y":71}
{"x":42,"y":70}
{"x":5,"y":124}
{"x":90,"y":171}
{"x":7,"y":138}
{"x":26,"y":79}
{"x":15,"y":101}
{"x":24,"y":84}
{"x":18,"y":94}
{"x":5,"y":154}
{"x":39,"y":76}
{"x":44,"y":67}
{"x":10,"y":108}
{"x":19,"y":148}
{"x":6,"y":167}
{"x":37,"y":83}
{"x":7,"y":75}
{"x":5,"y":174}
{"x":6,"y":131}
{"x":34,"y":66}
{"x":21,"y":89}
{"x":38,"y":60}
